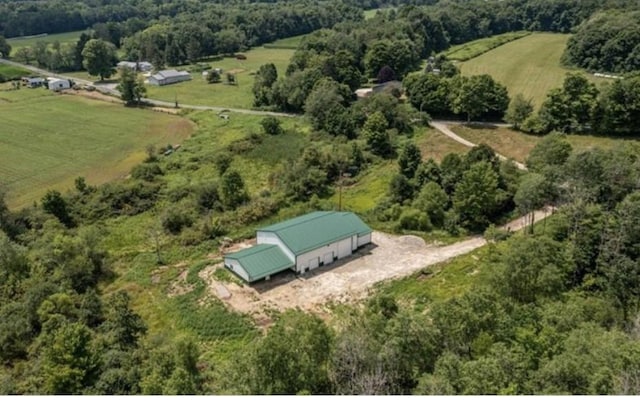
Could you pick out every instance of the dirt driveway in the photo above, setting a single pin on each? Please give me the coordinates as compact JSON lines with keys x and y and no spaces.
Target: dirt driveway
{"x":388,"y":257}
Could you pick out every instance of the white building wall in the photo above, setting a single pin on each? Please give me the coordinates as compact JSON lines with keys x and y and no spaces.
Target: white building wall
{"x":344,"y":248}
{"x":264,"y":237}
{"x":306,"y":260}
{"x":354,"y":242}
{"x":363,"y":240}
{"x":237,"y":268}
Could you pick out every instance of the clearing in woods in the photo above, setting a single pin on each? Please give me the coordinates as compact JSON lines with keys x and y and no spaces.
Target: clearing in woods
{"x":47,"y":140}
{"x":529,"y":65}
{"x":388,"y":257}
{"x":28,"y":41}
{"x":199,"y":92}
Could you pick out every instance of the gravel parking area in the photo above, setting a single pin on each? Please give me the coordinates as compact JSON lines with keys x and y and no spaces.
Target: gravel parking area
{"x":388,"y":257}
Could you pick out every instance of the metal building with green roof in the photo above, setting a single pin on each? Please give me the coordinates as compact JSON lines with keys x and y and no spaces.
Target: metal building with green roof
{"x":301,"y":244}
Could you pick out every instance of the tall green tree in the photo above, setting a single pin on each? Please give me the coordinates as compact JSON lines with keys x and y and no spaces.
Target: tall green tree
{"x":99,"y":58}
{"x":232,"y":189}
{"x":409,"y":160}
{"x":5,"y":47}
{"x":266,"y":76}
{"x":479,"y":95}
{"x":69,"y":363}
{"x":475,"y":196}
{"x":131,"y":87}
{"x":519,"y":110}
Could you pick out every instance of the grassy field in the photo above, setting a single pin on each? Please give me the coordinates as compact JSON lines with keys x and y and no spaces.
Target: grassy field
{"x":48,"y":140}
{"x":467,"y":51}
{"x":287,"y":43}
{"x":10,"y":72}
{"x":28,"y":41}
{"x":517,"y":145}
{"x":530,"y":65}
{"x":199,"y":92}
{"x":368,"y":14}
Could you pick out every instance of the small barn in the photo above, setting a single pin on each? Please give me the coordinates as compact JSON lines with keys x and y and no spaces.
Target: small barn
{"x":143,"y":66}
{"x":300,"y":244}
{"x":167,"y":77}
{"x":33,"y":82}
{"x":57,"y":85}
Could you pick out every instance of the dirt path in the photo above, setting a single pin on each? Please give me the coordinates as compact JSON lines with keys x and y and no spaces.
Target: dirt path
{"x":443,"y":126}
{"x":389,"y":257}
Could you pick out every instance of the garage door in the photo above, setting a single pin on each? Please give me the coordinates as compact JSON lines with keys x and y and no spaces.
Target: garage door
{"x":344,"y":248}
{"x":314,"y":263}
{"x":327,"y":258}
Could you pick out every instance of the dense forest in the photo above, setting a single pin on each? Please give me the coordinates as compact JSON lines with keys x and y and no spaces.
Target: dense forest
{"x":552,"y":310}
{"x":608,"y":41}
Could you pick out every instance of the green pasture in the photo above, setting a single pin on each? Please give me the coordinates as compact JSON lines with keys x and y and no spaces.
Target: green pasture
{"x":47,"y":140}
{"x":529,"y":65}
{"x":9,"y":72}
{"x":467,"y":51}
{"x":287,"y":43}
{"x":28,"y":41}
{"x":199,"y":92}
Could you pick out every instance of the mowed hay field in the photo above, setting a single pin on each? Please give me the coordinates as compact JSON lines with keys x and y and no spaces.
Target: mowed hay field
{"x":47,"y":140}
{"x":517,"y":145}
{"x":199,"y":92}
{"x":530,"y":65}
{"x":28,"y":41}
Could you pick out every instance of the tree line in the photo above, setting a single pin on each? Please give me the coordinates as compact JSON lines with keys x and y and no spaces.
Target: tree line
{"x":606,"y":42}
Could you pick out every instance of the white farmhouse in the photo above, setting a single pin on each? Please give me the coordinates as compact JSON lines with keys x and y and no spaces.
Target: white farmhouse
{"x":57,"y":85}
{"x":167,"y":77}
{"x":300,"y":244}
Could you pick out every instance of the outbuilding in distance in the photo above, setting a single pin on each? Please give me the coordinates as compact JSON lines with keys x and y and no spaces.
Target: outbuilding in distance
{"x":300,"y":244}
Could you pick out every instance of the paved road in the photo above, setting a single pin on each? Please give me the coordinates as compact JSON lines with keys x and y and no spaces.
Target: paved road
{"x":443,"y":126}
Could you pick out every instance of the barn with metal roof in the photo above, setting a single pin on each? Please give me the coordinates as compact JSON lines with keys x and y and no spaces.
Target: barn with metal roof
{"x":300,"y":244}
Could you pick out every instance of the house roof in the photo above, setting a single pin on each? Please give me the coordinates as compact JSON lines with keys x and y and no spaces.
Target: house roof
{"x":169,"y":73}
{"x":317,"y":229}
{"x":261,"y":260}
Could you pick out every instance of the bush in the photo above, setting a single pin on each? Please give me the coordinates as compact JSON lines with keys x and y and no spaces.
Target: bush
{"x":146,"y":171}
{"x":412,"y":219}
{"x":271,"y":126}
{"x":174,"y":220}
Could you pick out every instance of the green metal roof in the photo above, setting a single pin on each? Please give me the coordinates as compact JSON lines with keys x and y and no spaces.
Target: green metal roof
{"x":261,"y":260}
{"x":317,"y":229}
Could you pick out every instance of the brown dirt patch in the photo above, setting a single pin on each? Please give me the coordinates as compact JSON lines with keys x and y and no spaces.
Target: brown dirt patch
{"x":93,"y":95}
{"x":236,"y":70}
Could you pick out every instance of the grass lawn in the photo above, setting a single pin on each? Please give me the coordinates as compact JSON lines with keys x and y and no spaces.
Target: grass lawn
{"x":287,"y":43}
{"x":10,"y":72}
{"x":530,"y":65}
{"x":467,"y":51}
{"x":48,"y":140}
{"x":434,"y":144}
{"x":517,"y":145}
{"x":27,"y":41}
{"x":199,"y":92}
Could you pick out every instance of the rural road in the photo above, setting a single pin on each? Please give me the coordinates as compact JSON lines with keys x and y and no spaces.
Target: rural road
{"x":443,"y":126}
{"x":154,"y":102}
{"x":391,"y":257}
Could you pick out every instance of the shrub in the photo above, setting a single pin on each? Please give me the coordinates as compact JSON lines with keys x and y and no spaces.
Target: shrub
{"x":412,"y":219}
{"x":174,"y":220}
{"x":146,"y":171}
